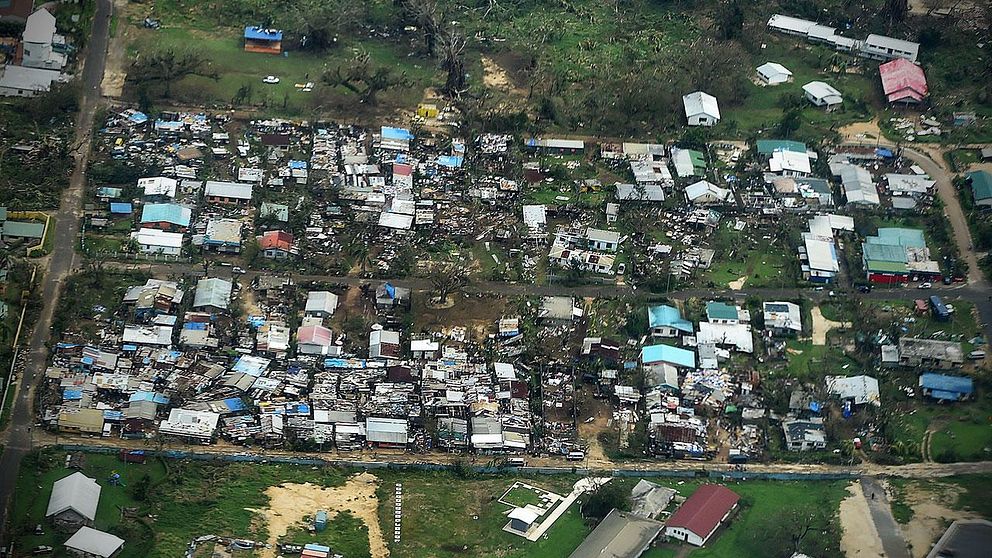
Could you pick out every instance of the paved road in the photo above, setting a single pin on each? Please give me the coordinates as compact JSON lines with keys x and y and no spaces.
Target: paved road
{"x":18,"y":440}
{"x":881,"y":515}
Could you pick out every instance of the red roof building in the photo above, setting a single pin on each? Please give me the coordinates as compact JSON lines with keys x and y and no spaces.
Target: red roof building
{"x":276,"y":244}
{"x":903,"y":81}
{"x":698,"y":517}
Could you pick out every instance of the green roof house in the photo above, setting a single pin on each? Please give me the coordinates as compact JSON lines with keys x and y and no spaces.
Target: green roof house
{"x":981,"y":187}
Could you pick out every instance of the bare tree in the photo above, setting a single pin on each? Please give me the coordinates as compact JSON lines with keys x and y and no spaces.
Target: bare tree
{"x":167,"y":66}
{"x":367,"y":80}
{"x":453,"y":62}
{"x":446,"y":280}
{"x":427,"y":16}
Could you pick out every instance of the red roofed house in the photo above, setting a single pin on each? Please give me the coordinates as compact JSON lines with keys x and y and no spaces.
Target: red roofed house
{"x":699,"y":517}
{"x":277,"y":245}
{"x":903,"y":81}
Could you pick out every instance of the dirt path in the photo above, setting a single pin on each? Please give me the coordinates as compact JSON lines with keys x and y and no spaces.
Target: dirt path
{"x":738,"y":284}
{"x":822,"y":325}
{"x":115,"y":71}
{"x":859,"y":538}
{"x":861,"y":131}
{"x":289,"y":503}
{"x":931,"y":513}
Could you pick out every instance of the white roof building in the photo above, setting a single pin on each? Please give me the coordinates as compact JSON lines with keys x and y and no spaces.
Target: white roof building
{"x":888,"y":48}
{"x":77,"y":493}
{"x":535,"y":216}
{"x":228,"y":190}
{"x":790,"y":25}
{"x":158,"y":186}
{"x":859,"y":389}
{"x":701,"y":109}
{"x":858,"y":185}
{"x":784,"y":316}
{"x":822,"y":95}
{"x":190,"y":423}
{"x":773,"y":73}
{"x":21,"y":81}
{"x":398,"y":221}
{"x":321,"y":303}
{"x":92,"y":543}
{"x":704,"y":192}
{"x":789,"y":163}
{"x":154,"y":241}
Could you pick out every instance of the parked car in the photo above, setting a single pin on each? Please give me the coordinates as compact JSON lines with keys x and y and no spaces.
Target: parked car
{"x":237,"y":269}
{"x":927,"y":285}
{"x":270,"y":79}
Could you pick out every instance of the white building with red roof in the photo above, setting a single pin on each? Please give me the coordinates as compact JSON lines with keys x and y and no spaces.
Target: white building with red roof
{"x":903,"y":82}
{"x":699,"y":516}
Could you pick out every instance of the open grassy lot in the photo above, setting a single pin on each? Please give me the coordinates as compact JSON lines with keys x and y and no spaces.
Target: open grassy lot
{"x":219,"y":497}
{"x":755,"y":255}
{"x":202,"y":28}
{"x":460,"y":517}
{"x":809,"y":362}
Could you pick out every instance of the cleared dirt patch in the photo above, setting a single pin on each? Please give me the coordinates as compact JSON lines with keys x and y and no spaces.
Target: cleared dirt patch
{"x":931,"y":514}
{"x":822,"y":325}
{"x":859,"y":539}
{"x":289,"y":503}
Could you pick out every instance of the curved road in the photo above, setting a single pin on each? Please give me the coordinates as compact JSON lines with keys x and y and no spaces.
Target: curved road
{"x":18,"y":440}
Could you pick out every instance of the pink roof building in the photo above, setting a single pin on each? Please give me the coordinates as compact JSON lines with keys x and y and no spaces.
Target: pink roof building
{"x":903,"y":81}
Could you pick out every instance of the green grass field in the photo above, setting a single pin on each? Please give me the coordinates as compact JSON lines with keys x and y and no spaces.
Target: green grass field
{"x":219,"y":497}
{"x":189,"y":26}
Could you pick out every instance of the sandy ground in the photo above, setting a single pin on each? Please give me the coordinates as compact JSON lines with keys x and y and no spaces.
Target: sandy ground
{"x":861,"y":131}
{"x":859,"y":537}
{"x":738,"y":284}
{"x":931,"y":514}
{"x":822,"y":325}
{"x":289,"y":503}
{"x":115,"y":70}
{"x":494,"y":75}
{"x":589,"y":433}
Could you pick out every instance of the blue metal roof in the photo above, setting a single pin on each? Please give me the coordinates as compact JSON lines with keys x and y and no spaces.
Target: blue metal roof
{"x":166,"y":212}
{"x":668,"y":316}
{"x":261,"y":34}
{"x":669,"y":354}
{"x":396,"y":133}
{"x":120,"y":208}
{"x":450,"y":161}
{"x":943,"y":384}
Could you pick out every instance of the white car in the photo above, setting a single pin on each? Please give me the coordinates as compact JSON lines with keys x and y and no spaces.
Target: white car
{"x":270,"y":79}
{"x":925,"y":286}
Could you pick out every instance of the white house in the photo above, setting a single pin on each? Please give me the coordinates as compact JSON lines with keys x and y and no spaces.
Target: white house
{"x":158,"y":186}
{"x":154,"y":241}
{"x":20,"y":81}
{"x":321,"y":304}
{"x":38,"y":38}
{"x":704,"y":192}
{"x":701,"y":109}
{"x":790,"y":163}
{"x":881,"y":47}
{"x":773,"y":73}
{"x":604,"y":241}
{"x":822,"y":95}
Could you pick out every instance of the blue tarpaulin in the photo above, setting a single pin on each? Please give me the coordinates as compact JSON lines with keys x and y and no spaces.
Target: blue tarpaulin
{"x":158,"y":398}
{"x":112,"y":415}
{"x":234,"y":404}
{"x":120,"y":208}
{"x":195,"y":326}
{"x":298,"y":165}
{"x":884,"y":153}
{"x":138,"y":117}
{"x":72,"y":394}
